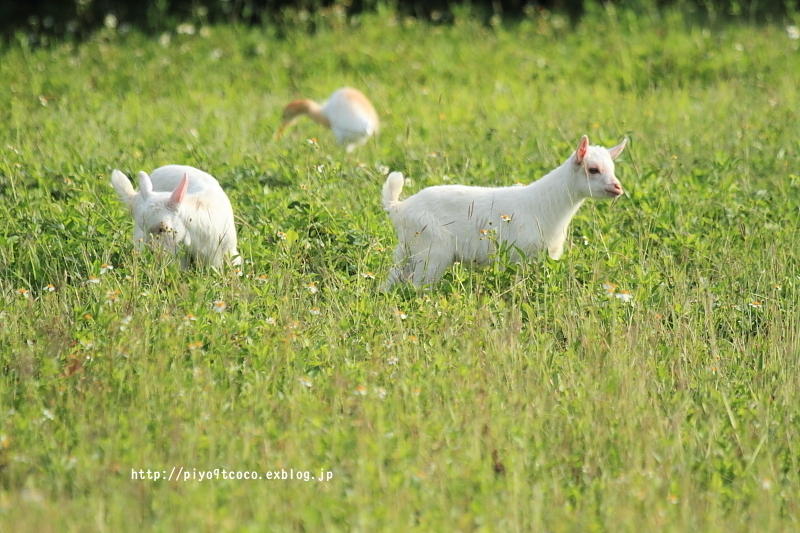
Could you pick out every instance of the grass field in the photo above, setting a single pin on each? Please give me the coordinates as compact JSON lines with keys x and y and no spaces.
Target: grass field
{"x":517,"y":399}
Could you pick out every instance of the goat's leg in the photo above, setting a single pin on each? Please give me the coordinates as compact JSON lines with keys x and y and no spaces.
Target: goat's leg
{"x":430,"y":265}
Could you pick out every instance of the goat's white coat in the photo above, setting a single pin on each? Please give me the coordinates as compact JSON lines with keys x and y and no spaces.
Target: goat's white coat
{"x":181,"y":206}
{"x":446,"y":223}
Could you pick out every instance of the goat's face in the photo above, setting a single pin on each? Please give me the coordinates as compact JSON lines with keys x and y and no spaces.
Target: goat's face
{"x":161,"y":224}
{"x":593,"y":170}
{"x":158,"y":214}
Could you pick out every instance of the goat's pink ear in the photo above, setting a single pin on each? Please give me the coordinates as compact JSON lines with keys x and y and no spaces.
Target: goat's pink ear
{"x":145,"y":185}
{"x":180,"y":191}
{"x":583,"y":147}
{"x":614,"y":152}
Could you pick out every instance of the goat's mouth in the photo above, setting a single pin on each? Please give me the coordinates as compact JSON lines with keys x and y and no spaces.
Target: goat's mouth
{"x":615,"y":192}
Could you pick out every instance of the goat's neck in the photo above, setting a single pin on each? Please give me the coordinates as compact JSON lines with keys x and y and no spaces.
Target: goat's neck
{"x":557,"y":200}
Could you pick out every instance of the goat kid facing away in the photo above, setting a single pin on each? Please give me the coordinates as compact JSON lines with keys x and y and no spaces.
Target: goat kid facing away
{"x":446,"y":223}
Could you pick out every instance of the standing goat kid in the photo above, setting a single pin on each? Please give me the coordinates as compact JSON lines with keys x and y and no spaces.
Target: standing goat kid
{"x":447,"y":223}
{"x":181,"y":206}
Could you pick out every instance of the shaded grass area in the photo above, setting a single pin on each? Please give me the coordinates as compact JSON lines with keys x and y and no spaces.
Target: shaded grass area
{"x":517,"y":398}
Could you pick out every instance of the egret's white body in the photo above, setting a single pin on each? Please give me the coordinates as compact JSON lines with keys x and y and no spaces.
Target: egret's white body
{"x":348,"y":113}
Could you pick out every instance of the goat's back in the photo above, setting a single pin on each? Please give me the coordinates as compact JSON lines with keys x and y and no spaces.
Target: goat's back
{"x":168,"y":177}
{"x":463,"y":199}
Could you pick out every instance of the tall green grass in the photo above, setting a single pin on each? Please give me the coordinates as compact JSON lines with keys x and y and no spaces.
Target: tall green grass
{"x":516,"y":398}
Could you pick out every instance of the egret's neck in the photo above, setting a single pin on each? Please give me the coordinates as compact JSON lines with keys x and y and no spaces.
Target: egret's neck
{"x":305,"y":107}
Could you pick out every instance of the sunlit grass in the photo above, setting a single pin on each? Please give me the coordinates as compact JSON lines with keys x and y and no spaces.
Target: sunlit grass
{"x":644,"y":382}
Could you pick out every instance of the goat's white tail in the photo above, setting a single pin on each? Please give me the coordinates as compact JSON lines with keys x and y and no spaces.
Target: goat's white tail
{"x":391,"y":190}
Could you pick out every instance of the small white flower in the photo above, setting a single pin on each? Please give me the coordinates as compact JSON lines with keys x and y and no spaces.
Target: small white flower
{"x":624,"y":296}
{"x":361,"y":390}
{"x":110,"y":21}
{"x":185,"y":29}
{"x":793,"y":32}
{"x":49,"y":288}
{"x":48,"y":414}
{"x":392,"y":360}
{"x":270,"y":321}
{"x":25,"y":293}
{"x":219,"y":306}
{"x":312,"y":288}
{"x":401,"y":315}
{"x":281,"y":235}
{"x":305,"y":381}
{"x":111,"y":297}
{"x":105,"y":268}
{"x":368,"y":275}
{"x":92,"y":281}
{"x":314,"y":311}
{"x":381,"y":392}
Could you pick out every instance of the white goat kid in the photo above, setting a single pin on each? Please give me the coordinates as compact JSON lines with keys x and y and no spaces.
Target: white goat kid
{"x":181,"y":206}
{"x":446,"y":223}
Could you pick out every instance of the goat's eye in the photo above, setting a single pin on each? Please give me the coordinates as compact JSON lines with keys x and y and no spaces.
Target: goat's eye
{"x":594,"y":170}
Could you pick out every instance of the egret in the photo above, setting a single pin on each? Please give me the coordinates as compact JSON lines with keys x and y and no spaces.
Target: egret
{"x":347,"y":112}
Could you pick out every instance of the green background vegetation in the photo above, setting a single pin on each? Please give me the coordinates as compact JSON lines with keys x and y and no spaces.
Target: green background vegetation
{"x":42,"y":19}
{"x":524,"y":398}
